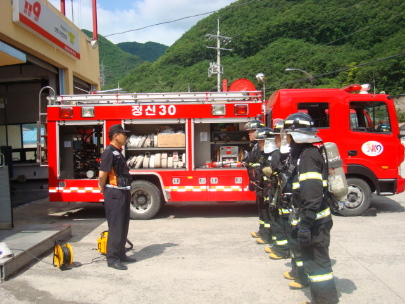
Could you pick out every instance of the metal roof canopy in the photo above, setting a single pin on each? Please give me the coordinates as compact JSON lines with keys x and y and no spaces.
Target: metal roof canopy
{"x":10,"y":55}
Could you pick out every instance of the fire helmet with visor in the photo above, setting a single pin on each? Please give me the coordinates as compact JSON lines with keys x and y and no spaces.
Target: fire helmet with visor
{"x":254,"y":124}
{"x":301,"y":128}
{"x":268,"y":136}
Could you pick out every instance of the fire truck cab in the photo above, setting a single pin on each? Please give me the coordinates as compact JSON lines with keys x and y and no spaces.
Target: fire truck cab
{"x":183,"y":147}
{"x":365,"y":129}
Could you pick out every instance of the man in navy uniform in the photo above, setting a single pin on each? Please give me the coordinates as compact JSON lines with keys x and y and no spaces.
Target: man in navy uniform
{"x":115,"y":184}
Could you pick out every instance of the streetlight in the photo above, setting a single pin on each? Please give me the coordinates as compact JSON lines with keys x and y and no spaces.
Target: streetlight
{"x":310,"y":77}
{"x":260,"y":78}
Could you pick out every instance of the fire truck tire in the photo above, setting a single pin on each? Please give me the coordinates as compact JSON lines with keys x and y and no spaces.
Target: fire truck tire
{"x":358,"y":199}
{"x":146,"y":200}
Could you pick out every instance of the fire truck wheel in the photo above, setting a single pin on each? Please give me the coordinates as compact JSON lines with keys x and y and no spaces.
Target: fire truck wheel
{"x":358,"y":199}
{"x":145,"y":200}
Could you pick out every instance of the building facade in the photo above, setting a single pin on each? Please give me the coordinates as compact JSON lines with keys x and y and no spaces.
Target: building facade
{"x":39,"y":47}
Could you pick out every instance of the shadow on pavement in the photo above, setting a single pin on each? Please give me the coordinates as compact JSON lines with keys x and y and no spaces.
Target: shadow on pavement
{"x":386,"y":204}
{"x":207,"y":210}
{"x":151,"y":251}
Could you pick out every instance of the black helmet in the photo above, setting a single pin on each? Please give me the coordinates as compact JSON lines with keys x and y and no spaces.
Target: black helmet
{"x":278,"y":125}
{"x":264,"y":133}
{"x":299,"y":122}
{"x":301,"y":127}
{"x":254,"y":124}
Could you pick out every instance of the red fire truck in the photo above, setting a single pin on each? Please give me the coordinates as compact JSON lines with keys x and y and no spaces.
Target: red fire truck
{"x":183,"y":147}
{"x":364,"y":127}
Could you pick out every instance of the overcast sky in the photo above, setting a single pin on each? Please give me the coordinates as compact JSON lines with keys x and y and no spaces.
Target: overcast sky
{"x":116,"y":16}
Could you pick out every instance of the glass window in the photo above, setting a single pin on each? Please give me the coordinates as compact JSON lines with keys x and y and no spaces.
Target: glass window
{"x":319,"y":112}
{"x":369,"y":117}
{"x":30,"y":134}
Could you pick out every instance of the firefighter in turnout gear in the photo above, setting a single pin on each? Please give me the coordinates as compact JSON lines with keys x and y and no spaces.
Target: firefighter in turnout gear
{"x":312,"y":214}
{"x":279,"y":249}
{"x":267,"y":179}
{"x":251,"y":162}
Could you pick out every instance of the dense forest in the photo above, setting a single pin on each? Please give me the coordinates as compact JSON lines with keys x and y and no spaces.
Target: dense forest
{"x":149,"y":51}
{"x":117,"y":60}
{"x":338,"y":42}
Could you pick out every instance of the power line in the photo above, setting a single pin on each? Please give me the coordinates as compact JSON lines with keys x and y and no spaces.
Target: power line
{"x":166,"y":22}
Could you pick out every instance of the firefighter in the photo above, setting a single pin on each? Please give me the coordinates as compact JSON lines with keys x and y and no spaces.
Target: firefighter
{"x":115,"y":185}
{"x":251,"y":161}
{"x":311,"y":210}
{"x":278,"y":219}
{"x":266,"y":177}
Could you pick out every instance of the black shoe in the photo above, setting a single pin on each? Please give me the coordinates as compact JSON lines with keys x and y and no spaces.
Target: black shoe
{"x":128,"y":259}
{"x":118,"y":266}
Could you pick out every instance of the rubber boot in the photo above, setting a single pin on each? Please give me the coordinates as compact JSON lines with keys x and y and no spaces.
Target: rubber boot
{"x":297,"y":285}
{"x":268,"y":249}
{"x":289,"y":276}
{"x":278,"y":255}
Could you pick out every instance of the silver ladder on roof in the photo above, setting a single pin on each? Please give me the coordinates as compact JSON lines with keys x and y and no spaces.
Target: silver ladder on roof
{"x":42,"y":151}
{"x":183,"y":97}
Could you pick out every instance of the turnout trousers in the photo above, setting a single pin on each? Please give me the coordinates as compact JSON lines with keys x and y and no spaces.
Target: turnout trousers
{"x":297,"y":265}
{"x":318,"y":266}
{"x":264,"y":219}
{"x":116,"y":205}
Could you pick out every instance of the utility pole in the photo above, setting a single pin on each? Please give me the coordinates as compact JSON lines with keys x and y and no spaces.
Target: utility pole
{"x":216,"y":68}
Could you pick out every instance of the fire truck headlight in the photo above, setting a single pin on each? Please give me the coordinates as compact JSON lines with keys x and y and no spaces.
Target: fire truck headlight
{"x":241,"y":109}
{"x":218,"y":110}
{"x":66,"y":112}
{"x":87,"y":111}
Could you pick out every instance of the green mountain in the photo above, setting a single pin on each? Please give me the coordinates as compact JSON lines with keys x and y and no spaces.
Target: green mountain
{"x":149,"y":51}
{"x":339,"y":42}
{"x":115,"y":63}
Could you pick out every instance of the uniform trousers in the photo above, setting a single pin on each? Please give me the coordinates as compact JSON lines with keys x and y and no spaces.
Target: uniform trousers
{"x":318,"y":266}
{"x":116,"y":205}
{"x":280,"y":243}
{"x":263,"y":217}
{"x":297,"y":264}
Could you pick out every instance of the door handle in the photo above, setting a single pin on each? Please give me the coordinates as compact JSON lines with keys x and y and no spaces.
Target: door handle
{"x":352,"y":152}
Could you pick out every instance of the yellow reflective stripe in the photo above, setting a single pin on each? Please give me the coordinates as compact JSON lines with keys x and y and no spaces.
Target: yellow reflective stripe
{"x":261,"y":222}
{"x":294,"y":222}
{"x":265,"y":177}
{"x":285,"y":211}
{"x":267,"y":225}
{"x":323,"y":214}
{"x":282,"y":242}
{"x":310,"y":175}
{"x":321,"y":278}
{"x":299,"y":263}
{"x":292,"y":255}
{"x":273,"y":237}
{"x":324,"y":183}
{"x":295,"y":186}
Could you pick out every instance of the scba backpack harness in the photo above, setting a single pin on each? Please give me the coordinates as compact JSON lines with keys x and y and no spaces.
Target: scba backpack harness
{"x":337,"y":189}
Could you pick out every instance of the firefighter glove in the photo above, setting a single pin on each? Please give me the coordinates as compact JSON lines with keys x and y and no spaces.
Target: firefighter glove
{"x":304,"y":236}
{"x":267,"y":171}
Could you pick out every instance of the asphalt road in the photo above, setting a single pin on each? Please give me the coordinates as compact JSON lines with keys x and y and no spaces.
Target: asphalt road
{"x":203,"y":253}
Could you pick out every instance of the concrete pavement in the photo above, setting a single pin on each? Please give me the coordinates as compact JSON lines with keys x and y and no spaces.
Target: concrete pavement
{"x":203,"y":253}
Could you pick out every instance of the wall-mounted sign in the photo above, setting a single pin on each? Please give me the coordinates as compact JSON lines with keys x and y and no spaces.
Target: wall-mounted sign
{"x":36,"y":17}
